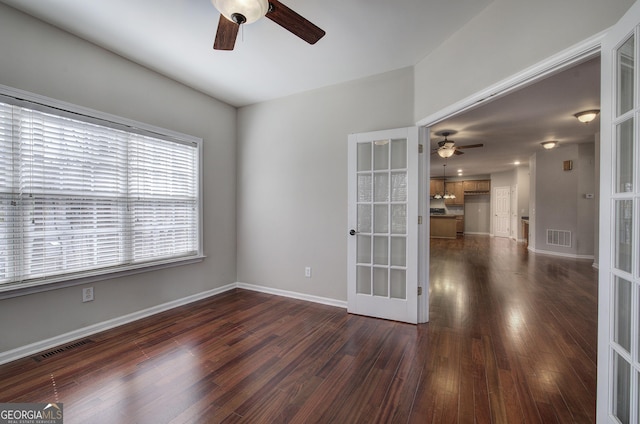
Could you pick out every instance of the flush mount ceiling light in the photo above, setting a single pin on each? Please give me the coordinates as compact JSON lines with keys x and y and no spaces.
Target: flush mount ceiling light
{"x":587,"y":115}
{"x":549,"y":144}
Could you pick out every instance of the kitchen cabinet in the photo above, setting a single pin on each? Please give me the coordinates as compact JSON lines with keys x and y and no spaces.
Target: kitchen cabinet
{"x":477,"y":186}
{"x":436,"y":186}
{"x":456,"y":188}
{"x":460,"y":224}
{"x":443,"y":226}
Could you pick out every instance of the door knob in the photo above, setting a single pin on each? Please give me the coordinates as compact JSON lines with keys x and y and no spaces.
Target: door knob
{"x":352,"y":232}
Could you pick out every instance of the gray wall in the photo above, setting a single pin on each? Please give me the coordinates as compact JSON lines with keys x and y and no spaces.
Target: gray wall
{"x":587,"y":208}
{"x":41,"y":59}
{"x":506,"y":38}
{"x":522,"y":179}
{"x":477,"y":218}
{"x":292,"y":180}
{"x":560,"y":200}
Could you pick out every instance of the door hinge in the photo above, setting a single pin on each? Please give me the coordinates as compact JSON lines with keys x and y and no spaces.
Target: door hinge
{"x":420,"y":220}
{"x":419,"y":291}
{"x":420,"y":148}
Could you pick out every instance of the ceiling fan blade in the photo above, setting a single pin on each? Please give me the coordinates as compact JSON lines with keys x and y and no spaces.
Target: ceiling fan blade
{"x":458,"y":152}
{"x":470,"y":146}
{"x":294,"y":23}
{"x":226,"y":34}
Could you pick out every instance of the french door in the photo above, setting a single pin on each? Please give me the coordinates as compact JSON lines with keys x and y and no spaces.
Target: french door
{"x":383,"y":224}
{"x":619,"y":274}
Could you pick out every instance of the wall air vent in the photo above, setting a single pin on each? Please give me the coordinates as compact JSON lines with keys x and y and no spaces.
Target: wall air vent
{"x":559,"y":238}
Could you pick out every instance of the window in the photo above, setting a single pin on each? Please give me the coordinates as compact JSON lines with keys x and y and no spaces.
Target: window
{"x":81,"y":196}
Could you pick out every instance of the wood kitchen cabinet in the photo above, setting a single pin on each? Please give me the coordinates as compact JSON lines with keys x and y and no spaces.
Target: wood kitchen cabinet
{"x":436,"y":186}
{"x":475,"y":186}
{"x":456,"y":188}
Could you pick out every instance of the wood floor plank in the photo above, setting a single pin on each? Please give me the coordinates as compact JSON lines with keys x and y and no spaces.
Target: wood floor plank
{"x":512,"y":338}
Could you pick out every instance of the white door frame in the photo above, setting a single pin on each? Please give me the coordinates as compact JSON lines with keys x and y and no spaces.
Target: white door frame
{"x":565,"y":59}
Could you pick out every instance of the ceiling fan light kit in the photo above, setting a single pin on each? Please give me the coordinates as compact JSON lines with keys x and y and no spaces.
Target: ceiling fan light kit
{"x":234,"y":13}
{"x":242,"y":11}
{"x":447,"y":148}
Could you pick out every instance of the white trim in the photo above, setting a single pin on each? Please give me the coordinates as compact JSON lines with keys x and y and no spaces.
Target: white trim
{"x":556,"y":63}
{"x":294,"y":295}
{"x":564,"y":255}
{"x":473,"y":233}
{"x":33,"y":348}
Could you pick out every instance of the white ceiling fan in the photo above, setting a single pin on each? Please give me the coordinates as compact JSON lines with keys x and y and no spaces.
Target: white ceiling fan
{"x":447,"y":148}
{"x":234,"y":13}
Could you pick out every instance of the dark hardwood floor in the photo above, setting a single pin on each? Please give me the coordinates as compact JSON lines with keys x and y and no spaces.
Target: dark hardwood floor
{"x":512,"y":339}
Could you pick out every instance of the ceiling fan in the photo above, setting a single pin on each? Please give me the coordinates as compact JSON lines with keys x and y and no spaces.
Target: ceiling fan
{"x":234,"y":13}
{"x":447,"y":148}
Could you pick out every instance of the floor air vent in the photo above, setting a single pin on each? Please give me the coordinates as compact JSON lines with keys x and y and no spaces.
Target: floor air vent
{"x":559,"y":238}
{"x":58,"y":350}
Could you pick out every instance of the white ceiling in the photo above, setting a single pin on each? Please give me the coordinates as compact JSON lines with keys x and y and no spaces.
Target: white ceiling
{"x":364,"y":37}
{"x":513,"y":127}
{"x":175,"y":38}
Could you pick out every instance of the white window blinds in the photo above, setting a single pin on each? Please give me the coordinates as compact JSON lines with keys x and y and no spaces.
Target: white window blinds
{"x":81,"y":198}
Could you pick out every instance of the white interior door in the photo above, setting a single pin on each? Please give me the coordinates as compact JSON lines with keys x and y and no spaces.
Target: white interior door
{"x":502,"y":211}
{"x":619,"y":272}
{"x":383,"y":224}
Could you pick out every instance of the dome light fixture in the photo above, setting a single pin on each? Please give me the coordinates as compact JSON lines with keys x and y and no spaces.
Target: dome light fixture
{"x":587,"y":115}
{"x":242,"y":11}
{"x":549,"y":144}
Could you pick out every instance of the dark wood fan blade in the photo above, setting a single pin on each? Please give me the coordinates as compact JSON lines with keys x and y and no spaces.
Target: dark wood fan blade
{"x":226,"y":34}
{"x":458,"y":152}
{"x":294,"y":23}
{"x":469,"y":146}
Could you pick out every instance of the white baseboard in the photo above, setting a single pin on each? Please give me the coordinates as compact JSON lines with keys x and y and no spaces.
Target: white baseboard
{"x":471,"y":233}
{"x":294,"y":295}
{"x":33,"y":348}
{"x":564,"y":255}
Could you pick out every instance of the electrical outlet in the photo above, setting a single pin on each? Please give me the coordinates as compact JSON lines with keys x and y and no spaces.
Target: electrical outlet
{"x":307,"y":272}
{"x":87,"y":294}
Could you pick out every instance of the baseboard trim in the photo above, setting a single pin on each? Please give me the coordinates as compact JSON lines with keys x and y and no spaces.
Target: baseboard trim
{"x":563,"y":255}
{"x":294,"y":295}
{"x":33,"y":348}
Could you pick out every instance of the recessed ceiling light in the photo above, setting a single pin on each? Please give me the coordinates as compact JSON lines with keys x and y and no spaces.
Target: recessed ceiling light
{"x":516,"y":162}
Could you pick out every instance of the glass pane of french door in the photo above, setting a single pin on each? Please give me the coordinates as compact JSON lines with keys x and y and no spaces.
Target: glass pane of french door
{"x":382,"y":218}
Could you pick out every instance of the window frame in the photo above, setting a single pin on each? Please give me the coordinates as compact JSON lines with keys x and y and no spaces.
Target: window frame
{"x":45,"y":104}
